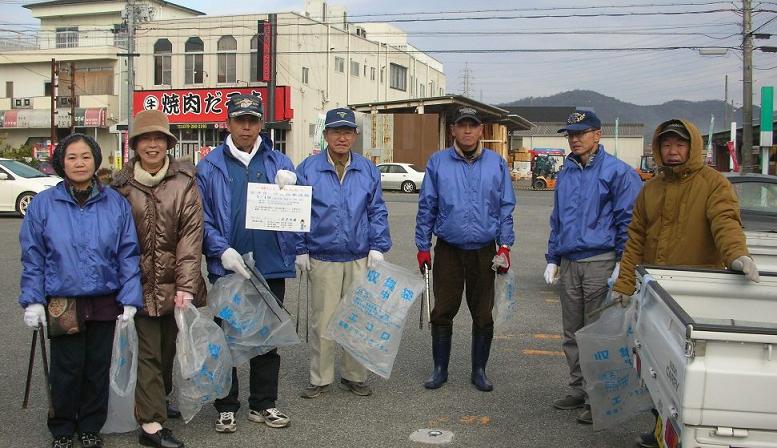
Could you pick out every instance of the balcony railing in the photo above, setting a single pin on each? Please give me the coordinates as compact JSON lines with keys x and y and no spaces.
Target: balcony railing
{"x":47,"y":40}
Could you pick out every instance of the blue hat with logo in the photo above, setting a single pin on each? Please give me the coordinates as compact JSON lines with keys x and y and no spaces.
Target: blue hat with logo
{"x":581,"y":120}
{"x":245,"y":105}
{"x":340,"y":118}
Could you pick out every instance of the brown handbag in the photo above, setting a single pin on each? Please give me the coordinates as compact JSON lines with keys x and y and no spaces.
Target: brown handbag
{"x":62,"y":317}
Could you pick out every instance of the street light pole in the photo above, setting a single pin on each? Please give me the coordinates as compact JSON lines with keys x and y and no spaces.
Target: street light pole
{"x":747,"y":93}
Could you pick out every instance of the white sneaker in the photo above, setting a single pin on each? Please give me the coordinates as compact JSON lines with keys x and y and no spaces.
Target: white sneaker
{"x":271,"y":417}
{"x":226,"y":422}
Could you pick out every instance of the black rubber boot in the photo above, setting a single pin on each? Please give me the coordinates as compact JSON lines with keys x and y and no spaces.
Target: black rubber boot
{"x":481,"y":347}
{"x":441,"y":352}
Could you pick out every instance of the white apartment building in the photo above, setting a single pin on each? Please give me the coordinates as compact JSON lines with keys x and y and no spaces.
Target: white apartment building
{"x":188,"y":61}
{"x":321,"y":63}
{"x":89,"y":34}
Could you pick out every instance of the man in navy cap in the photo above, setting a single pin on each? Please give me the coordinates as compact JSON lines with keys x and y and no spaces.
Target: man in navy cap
{"x":594,"y":196}
{"x":349,"y":232}
{"x":467,"y":200}
{"x":223,"y":177}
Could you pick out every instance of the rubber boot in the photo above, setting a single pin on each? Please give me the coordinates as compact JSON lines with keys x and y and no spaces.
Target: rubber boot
{"x":481,"y":347}
{"x":441,"y":352}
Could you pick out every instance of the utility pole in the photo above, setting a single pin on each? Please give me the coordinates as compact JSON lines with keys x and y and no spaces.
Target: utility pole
{"x":725,"y":104}
{"x":130,"y":61}
{"x":73,"y":97}
{"x":747,"y":100}
{"x":53,"y":94}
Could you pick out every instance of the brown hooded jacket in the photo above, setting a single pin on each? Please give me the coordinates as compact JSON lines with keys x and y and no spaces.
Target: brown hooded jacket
{"x":688,"y":215}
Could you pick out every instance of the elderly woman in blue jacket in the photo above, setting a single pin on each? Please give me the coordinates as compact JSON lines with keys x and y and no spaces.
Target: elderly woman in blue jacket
{"x":79,"y":249}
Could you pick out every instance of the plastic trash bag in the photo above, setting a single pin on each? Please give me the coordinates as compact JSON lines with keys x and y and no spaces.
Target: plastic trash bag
{"x":253,"y":320}
{"x":505,"y":301}
{"x":123,"y":377}
{"x":369,"y":321}
{"x":615,"y":391}
{"x":202,"y":370}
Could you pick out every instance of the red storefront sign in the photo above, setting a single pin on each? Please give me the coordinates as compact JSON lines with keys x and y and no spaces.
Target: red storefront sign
{"x":265,"y":51}
{"x":207,"y":105}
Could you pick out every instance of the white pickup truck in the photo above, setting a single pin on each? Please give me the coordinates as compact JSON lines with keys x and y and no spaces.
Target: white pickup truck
{"x":763,"y":249}
{"x":705,"y":344}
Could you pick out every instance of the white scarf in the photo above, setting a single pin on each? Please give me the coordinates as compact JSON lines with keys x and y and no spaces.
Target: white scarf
{"x":243,"y":157}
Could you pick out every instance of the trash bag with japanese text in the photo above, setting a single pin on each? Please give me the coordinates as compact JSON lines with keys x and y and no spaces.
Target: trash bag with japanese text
{"x":369,"y":320}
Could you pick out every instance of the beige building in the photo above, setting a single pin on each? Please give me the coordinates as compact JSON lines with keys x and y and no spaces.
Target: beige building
{"x":187,"y":61}
{"x":322,"y":62}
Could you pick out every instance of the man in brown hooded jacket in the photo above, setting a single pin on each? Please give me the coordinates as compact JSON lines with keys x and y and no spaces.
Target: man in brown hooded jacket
{"x":688,"y":215}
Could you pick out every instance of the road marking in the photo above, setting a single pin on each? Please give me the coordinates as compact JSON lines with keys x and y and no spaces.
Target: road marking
{"x":482,"y":420}
{"x":552,"y":300}
{"x":547,"y":336}
{"x":531,"y":352}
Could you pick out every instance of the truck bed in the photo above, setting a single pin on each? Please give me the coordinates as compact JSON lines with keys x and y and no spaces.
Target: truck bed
{"x":706,"y":345}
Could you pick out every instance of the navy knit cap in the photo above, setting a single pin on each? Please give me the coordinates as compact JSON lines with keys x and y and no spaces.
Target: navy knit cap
{"x":59,"y":152}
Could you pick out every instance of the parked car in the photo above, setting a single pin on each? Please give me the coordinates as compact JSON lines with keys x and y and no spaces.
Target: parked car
{"x":19,"y":183}
{"x":401,"y":176}
{"x":757,"y":195}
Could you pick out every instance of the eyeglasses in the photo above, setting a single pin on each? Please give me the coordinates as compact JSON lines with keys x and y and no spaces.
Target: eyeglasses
{"x":579,"y":134}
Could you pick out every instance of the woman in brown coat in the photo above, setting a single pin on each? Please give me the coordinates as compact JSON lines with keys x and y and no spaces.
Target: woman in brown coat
{"x":168,"y":217}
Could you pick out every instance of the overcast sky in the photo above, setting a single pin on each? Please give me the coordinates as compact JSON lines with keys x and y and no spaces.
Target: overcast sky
{"x":638,"y":76}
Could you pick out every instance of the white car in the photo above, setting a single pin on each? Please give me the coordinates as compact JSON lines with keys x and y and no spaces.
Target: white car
{"x":19,"y":183}
{"x":401,"y":176}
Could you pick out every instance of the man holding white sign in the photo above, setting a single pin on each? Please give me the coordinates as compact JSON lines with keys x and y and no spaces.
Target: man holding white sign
{"x":348,"y":232}
{"x":225,"y":178}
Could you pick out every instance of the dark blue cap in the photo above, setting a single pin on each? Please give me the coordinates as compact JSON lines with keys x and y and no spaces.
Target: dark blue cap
{"x":339,"y":118}
{"x":245,"y":105}
{"x":582,"y":120}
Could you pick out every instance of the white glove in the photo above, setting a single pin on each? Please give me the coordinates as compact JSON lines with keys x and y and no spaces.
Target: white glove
{"x":232,"y":261}
{"x":302,"y":262}
{"x":747,"y":265}
{"x":285,"y":177}
{"x":551,"y":274}
{"x":614,"y":277}
{"x":181,"y":298}
{"x":129,"y":313}
{"x":373,"y":258}
{"x":34,"y":314}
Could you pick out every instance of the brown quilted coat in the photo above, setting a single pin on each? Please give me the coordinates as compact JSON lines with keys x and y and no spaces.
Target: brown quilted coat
{"x":169,"y":222}
{"x":688,"y":215}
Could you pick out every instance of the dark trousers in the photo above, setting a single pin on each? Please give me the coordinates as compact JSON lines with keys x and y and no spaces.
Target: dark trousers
{"x":156,"y":351}
{"x":453,"y":269}
{"x":79,"y":379}
{"x":263,"y":372}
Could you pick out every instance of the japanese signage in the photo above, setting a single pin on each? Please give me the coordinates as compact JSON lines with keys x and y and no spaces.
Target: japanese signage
{"x":41,"y":118}
{"x":207,"y":105}
{"x":265,"y":51}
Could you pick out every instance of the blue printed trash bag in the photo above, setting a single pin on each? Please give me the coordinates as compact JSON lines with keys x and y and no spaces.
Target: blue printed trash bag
{"x":505,"y":301}
{"x":202,"y":370}
{"x":123,"y":377}
{"x":615,"y":391}
{"x":252,"y":318}
{"x":369,"y":320}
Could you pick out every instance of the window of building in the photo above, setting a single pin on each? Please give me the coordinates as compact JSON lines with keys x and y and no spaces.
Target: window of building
{"x":67,"y":37}
{"x":431,"y":87}
{"x":339,"y":64}
{"x":398,"y":77}
{"x":365,"y":70}
{"x":120,"y":36}
{"x":422,"y":91}
{"x":311,"y":130}
{"x":354,"y":68}
{"x":372,"y":73}
{"x":382,"y":74}
{"x":194,"y":49}
{"x":163,"y":51}
{"x":279,"y":140}
{"x":305,"y":75}
{"x":412,"y":86}
{"x":9,"y":89}
{"x":227,"y":59}
{"x":254,"y":76}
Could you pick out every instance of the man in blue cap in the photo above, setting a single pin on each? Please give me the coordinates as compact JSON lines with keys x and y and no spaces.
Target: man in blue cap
{"x":349,"y":232}
{"x":467,"y":200}
{"x":223,"y":177}
{"x":594,"y":197}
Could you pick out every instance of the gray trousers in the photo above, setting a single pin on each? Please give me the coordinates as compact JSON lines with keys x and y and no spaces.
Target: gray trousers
{"x":583,"y":289}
